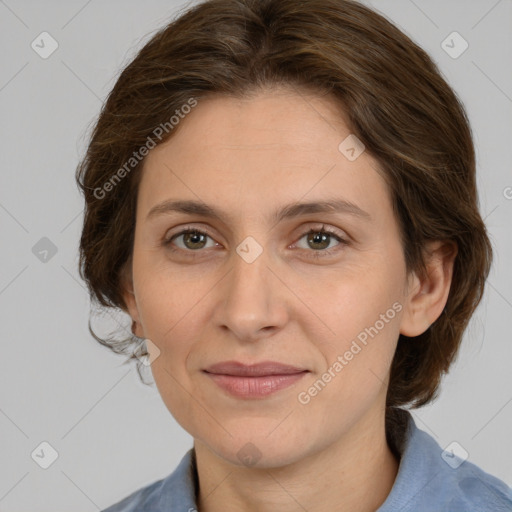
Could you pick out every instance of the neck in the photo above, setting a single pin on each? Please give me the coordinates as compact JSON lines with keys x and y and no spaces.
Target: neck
{"x":356,"y":474}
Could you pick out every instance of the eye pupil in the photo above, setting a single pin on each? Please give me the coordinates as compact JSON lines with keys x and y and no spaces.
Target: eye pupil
{"x":319,"y":238}
{"x":195,"y":238}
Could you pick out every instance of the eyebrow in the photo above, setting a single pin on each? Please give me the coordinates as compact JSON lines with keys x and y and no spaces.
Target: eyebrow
{"x":289,"y":211}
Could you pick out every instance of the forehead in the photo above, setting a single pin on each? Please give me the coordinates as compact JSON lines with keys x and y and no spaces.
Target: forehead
{"x":274,"y":147}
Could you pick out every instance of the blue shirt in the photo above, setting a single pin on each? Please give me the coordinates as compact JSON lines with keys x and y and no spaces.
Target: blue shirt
{"x":425,"y":482}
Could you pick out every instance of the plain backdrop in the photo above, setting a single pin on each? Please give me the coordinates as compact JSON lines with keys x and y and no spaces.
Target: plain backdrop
{"x":111,"y":433}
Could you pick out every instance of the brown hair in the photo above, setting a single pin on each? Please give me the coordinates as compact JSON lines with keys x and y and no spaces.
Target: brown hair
{"x":396,"y":102}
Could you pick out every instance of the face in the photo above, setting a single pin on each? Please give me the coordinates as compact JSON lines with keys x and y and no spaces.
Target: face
{"x":262,"y":282}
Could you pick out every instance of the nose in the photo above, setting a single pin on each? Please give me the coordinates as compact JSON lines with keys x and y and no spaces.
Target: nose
{"x":252,"y":302}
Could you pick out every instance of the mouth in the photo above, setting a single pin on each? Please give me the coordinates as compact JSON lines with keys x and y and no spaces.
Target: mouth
{"x":256,"y":380}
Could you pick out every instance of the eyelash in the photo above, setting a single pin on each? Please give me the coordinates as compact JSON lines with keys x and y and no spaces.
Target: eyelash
{"x":321,"y":253}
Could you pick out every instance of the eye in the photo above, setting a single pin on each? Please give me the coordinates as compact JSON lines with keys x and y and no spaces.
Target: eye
{"x":320,"y":239}
{"x":192,"y":240}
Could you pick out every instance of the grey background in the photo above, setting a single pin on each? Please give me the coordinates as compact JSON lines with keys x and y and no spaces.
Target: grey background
{"x":112,"y":433}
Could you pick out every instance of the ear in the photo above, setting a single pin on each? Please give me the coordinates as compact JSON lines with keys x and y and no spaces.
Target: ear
{"x":128,"y":294}
{"x":427,"y":295}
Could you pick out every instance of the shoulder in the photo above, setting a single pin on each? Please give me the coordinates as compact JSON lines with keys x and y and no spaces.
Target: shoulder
{"x":476,"y":490}
{"x":145,"y":498}
{"x":175,"y":492}
{"x":465,"y":486}
{"x":432,"y":479}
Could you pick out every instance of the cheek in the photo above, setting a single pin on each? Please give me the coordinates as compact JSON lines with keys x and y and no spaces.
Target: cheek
{"x":362,"y":311}
{"x":167,"y":301}
{"x":355,"y":375}
{"x":171,"y":330}
{"x":355,"y":300}
{"x":168,"y":314}
{"x":171,"y":311}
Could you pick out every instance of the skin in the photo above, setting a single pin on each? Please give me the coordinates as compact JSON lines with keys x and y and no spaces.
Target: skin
{"x":249,"y":157}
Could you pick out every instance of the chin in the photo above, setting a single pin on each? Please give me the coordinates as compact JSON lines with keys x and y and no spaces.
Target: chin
{"x":259,"y":448}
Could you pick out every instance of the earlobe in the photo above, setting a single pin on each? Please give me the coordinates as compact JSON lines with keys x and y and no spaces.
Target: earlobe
{"x":427,"y":295}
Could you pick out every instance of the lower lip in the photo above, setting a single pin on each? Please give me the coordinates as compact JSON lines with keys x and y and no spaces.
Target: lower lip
{"x":255,"y":387}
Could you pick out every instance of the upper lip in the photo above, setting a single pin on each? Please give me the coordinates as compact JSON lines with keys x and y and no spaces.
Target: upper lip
{"x":253,"y":370}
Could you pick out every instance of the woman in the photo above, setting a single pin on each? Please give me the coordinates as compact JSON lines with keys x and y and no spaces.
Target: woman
{"x":282,"y":197}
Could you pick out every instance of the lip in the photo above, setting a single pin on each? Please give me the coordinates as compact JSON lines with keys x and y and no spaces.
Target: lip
{"x":256,"y":380}
{"x":262,"y":369}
